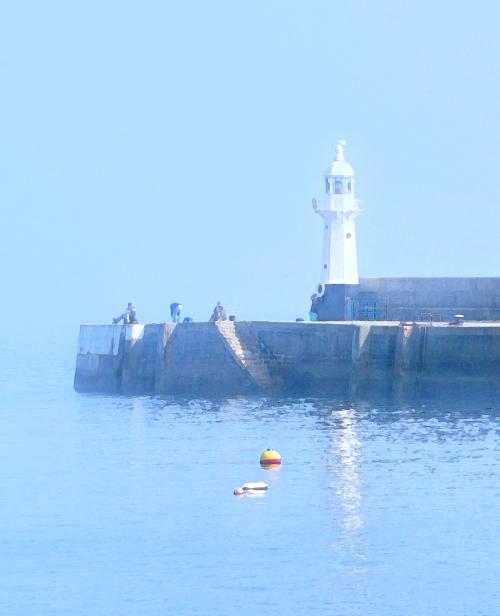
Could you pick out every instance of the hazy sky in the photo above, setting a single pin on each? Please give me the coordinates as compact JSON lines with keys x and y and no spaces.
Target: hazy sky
{"x":160,"y":151}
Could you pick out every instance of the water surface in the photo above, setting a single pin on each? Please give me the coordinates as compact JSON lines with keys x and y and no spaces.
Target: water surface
{"x":124,"y":506}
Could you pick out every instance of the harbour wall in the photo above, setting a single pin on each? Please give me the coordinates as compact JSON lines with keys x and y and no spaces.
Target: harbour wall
{"x":411,"y":299}
{"x":335,"y":358}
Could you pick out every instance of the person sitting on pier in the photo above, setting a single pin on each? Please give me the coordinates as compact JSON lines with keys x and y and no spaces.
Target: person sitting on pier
{"x":129,"y":316}
{"x":175,"y":312}
{"x":219,"y":314}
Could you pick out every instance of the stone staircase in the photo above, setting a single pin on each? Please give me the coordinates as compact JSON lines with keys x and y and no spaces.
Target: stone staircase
{"x":245,"y":348}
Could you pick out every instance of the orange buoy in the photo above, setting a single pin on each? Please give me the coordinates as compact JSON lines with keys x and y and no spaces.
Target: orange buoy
{"x":270,"y":456}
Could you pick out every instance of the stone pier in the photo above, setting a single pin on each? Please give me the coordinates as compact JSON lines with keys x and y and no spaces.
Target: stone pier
{"x":336,"y":358}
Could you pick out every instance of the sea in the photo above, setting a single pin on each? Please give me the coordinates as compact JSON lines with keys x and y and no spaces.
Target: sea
{"x":124,"y":506}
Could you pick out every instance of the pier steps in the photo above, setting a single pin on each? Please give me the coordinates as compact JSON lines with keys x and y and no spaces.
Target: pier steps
{"x":245,"y":347}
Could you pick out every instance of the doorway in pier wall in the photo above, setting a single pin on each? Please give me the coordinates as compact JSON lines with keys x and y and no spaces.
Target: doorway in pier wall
{"x":368,"y":307}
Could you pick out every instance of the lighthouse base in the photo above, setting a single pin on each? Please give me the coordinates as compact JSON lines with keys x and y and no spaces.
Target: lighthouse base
{"x":410,"y":299}
{"x":335,"y":303}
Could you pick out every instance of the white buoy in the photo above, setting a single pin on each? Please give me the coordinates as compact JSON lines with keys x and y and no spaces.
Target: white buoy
{"x":255,"y":485}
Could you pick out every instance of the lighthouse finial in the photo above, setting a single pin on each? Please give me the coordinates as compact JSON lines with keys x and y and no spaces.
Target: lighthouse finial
{"x":340,"y":149}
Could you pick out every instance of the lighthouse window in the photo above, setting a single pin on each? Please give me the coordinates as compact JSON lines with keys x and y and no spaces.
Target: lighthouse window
{"x":348,"y":186}
{"x":338,"y":186}
{"x":327,"y":185}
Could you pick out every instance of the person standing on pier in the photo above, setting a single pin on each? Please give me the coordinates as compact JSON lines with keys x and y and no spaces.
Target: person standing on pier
{"x":175,"y":312}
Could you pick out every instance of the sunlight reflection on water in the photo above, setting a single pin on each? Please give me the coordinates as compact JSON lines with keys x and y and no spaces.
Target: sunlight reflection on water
{"x":125,"y":505}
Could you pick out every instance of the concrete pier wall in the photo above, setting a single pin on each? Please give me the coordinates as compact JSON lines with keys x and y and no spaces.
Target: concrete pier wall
{"x":347,"y":359}
{"x":411,"y":299}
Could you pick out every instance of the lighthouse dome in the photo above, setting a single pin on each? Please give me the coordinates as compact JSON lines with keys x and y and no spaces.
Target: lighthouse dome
{"x":340,"y":166}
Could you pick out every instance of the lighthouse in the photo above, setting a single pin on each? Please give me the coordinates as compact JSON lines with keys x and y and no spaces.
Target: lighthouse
{"x":338,"y":279}
{"x":339,"y":261}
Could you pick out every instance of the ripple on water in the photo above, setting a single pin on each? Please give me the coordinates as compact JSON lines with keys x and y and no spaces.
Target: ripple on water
{"x":125,"y":505}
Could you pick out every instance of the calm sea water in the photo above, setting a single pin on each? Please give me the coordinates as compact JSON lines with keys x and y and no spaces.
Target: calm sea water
{"x":124,"y":506}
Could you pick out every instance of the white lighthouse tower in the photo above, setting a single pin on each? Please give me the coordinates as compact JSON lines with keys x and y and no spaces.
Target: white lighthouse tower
{"x":339,"y":262}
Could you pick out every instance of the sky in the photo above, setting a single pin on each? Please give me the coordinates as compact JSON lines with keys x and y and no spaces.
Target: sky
{"x":168,"y":151}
